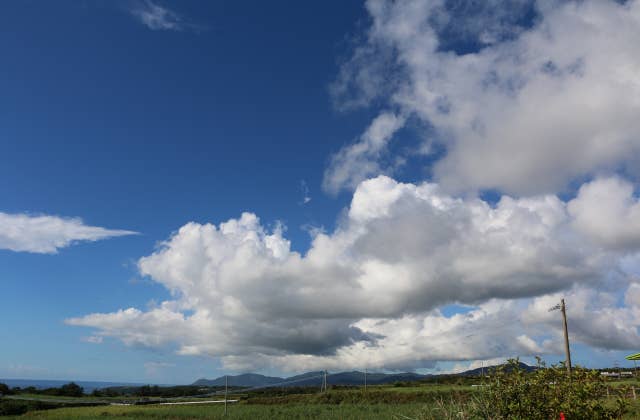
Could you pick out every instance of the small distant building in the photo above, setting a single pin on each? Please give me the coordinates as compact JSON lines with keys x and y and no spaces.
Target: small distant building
{"x":610,"y":374}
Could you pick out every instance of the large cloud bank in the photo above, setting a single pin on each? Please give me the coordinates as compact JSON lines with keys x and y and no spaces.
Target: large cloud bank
{"x":523,"y":96}
{"x":370,"y":291}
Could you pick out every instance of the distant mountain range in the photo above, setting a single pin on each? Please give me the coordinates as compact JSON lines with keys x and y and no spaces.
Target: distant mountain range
{"x":341,"y":378}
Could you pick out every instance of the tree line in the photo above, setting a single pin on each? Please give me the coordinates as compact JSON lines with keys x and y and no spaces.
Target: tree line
{"x":68,"y":390}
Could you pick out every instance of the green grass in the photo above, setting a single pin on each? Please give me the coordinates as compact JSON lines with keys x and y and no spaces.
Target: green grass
{"x":43,"y":397}
{"x":624,"y":382}
{"x":238,"y":411}
{"x":128,"y":399}
{"x":424,"y":388}
{"x":258,"y":411}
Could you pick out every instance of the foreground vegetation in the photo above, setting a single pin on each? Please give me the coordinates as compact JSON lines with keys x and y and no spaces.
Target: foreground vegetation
{"x":507,"y":393}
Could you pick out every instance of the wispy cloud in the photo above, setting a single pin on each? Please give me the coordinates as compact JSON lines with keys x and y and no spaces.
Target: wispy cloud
{"x":359,"y":161}
{"x":154,"y":368}
{"x":157,"y":17}
{"x":93,"y":339}
{"x":20,"y":370}
{"x":304,"y":189}
{"x":47,"y":234}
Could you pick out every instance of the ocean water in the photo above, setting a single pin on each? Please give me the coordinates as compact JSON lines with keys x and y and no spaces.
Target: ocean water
{"x":88,"y":386}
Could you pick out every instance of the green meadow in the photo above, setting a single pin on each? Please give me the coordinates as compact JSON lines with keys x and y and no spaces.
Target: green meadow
{"x":238,"y":411}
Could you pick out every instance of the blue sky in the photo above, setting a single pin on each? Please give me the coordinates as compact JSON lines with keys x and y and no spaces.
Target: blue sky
{"x":121,"y":122}
{"x":105,"y":119}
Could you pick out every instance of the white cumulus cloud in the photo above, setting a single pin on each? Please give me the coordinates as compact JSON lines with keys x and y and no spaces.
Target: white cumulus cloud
{"x":372,"y":290}
{"x":608,"y":212}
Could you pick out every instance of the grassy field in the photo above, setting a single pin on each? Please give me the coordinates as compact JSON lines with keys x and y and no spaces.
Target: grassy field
{"x":238,"y":411}
{"x":422,"y":388}
{"x":378,"y":402}
{"x":254,"y":412}
{"x":47,"y":397}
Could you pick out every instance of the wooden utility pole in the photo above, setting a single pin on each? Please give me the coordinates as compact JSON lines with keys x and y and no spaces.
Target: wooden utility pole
{"x":566,"y":335}
{"x":567,"y":351}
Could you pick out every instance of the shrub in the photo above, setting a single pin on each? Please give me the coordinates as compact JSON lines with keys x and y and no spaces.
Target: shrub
{"x":71,"y":390}
{"x":4,"y":389}
{"x":12,"y":408}
{"x":15,"y":407}
{"x":543,"y":394}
